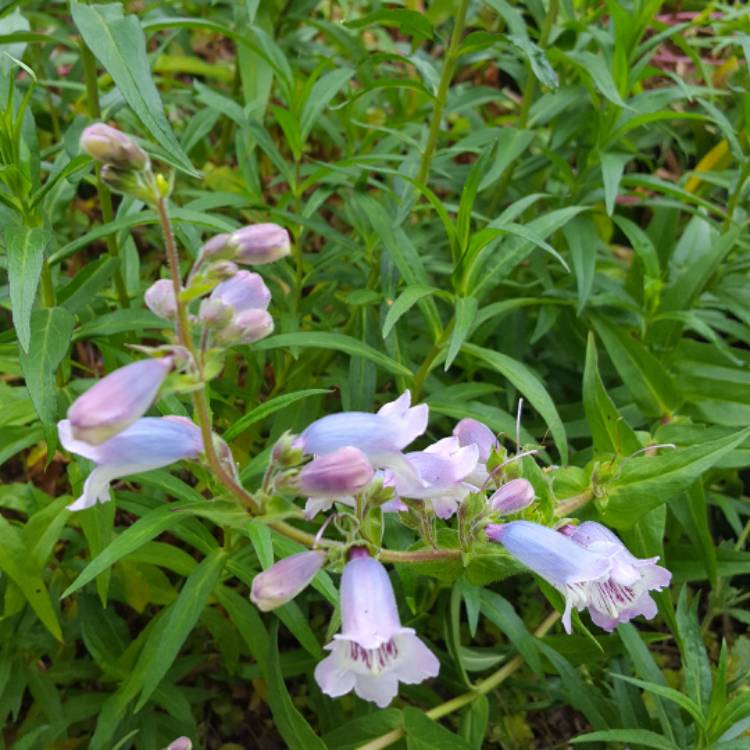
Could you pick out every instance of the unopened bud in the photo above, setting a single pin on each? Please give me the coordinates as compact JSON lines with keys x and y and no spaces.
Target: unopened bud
{"x":110,"y":146}
{"x":260,"y":243}
{"x":246,"y":328}
{"x":244,"y":291}
{"x":286,"y":452}
{"x":159,"y":298}
{"x":181,"y":743}
{"x":216,"y":247}
{"x":344,"y":472}
{"x":513,"y":496}
{"x":214,"y":313}
{"x":285,"y":579}
{"x":117,"y":400}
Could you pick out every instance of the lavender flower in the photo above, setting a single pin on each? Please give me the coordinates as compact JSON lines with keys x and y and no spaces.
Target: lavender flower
{"x":603,"y":576}
{"x":473,"y":432}
{"x":181,"y":743}
{"x":243,"y":291}
{"x":440,"y":471}
{"x":285,"y":579}
{"x":373,"y":652}
{"x":513,"y":496}
{"x":149,"y":443}
{"x":381,"y":437}
{"x":259,"y":243}
{"x":625,"y":594}
{"x":344,"y":472}
{"x":247,"y":327}
{"x":117,"y":400}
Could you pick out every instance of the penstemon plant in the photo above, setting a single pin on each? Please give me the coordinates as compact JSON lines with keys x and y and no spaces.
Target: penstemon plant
{"x":351,"y":467}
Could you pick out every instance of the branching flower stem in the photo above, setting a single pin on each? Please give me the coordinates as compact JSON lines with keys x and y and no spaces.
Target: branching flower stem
{"x":483,"y":687}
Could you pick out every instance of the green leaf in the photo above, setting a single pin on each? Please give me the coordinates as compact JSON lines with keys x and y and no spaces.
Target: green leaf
{"x":336,"y":341}
{"x":583,"y":240}
{"x":696,"y":666}
{"x":320,"y":96}
{"x":530,"y":386}
{"x":675,"y":696}
{"x":20,"y":567}
{"x":25,"y":248}
{"x":465,"y":313}
{"x":645,"y":376}
{"x":406,"y":21}
{"x":269,"y":407}
{"x":509,"y":145}
{"x":82,"y":290}
{"x":540,"y":66}
{"x":292,"y":726}
{"x":357,"y":732}
{"x":645,"y":482}
{"x":691,"y":510}
{"x":422,"y":733}
{"x":610,"y":432}
{"x":51,"y":330}
{"x":613,"y":165}
{"x":135,"y":536}
{"x":636,"y":736}
{"x":120,"y":321}
{"x":595,"y":67}
{"x":475,"y":722}
{"x":119,"y":44}
{"x":405,"y":301}
{"x":159,"y":653}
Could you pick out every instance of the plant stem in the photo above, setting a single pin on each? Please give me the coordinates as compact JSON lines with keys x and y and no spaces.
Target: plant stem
{"x":449,"y":67}
{"x":105,"y":197}
{"x":572,"y":504}
{"x":200,"y":402}
{"x":481,"y":688}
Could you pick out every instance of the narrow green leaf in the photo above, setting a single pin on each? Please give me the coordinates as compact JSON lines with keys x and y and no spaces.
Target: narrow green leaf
{"x":25,"y":248}
{"x":423,"y":733}
{"x":405,"y":301}
{"x":465,"y":313}
{"x":594,"y":66}
{"x":613,"y":165}
{"x":540,"y":65}
{"x":583,"y":240}
{"x":321,"y":94}
{"x":675,"y":696}
{"x":530,"y":386}
{"x":336,"y":341}
{"x":159,"y":653}
{"x":635,"y":736}
{"x":119,"y":43}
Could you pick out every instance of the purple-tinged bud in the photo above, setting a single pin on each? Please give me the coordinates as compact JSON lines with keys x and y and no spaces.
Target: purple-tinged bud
{"x":243,"y":291}
{"x":285,"y":579}
{"x":181,"y":743}
{"x":117,"y":400}
{"x":246,"y":328}
{"x":221,"y":270}
{"x":344,"y":472}
{"x":129,"y":182}
{"x":111,"y":146}
{"x":260,"y":243}
{"x":214,"y":313}
{"x":216,"y":247}
{"x":286,"y":452}
{"x":159,"y":298}
{"x":473,"y":432}
{"x":513,"y":496}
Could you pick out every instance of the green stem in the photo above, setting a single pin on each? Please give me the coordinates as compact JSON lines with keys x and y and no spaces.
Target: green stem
{"x":449,"y":67}
{"x":481,"y":688}
{"x":734,"y":198}
{"x":105,"y":197}
{"x":571,"y":504}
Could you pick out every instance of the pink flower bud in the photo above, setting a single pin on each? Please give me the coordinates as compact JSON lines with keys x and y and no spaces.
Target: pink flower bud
{"x":247,"y":327}
{"x":159,"y":298}
{"x":260,"y":243}
{"x":285,"y":579}
{"x":117,"y":400}
{"x":215,"y":247}
{"x":513,"y":496}
{"x":181,"y":743}
{"x":243,"y":291}
{"x":343,"y":472}
{"x":110,"y":146}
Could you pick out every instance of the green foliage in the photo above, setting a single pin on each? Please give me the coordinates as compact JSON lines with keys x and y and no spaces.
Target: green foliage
{"x":488,"y":201}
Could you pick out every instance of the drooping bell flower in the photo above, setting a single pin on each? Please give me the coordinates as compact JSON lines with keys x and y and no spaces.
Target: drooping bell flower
{"x":373,"y":652}
{"x":346,"y":471}
{"x":473,"y":432}
{"x":111,"y":146}
{"x":258,"y":244}
{"x":381,"y":437}
{"x":160,"y":299}
{"x":625,"y":594}
{"x":117,"y":400}
{"x":285,"y":579}
{"x":513,"y":496}
{"x":149,"y":443}
{"x":441,"y":470}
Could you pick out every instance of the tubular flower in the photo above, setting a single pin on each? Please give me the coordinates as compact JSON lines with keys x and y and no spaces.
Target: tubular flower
{"x":473,"y":432}
{"x":343,"y":472}
{"x":259,"y":243}
{"x":381,"y":437}
{"x":625,"y":594}
{"x":513,"y":496}
{"x":373,"y":652}
{"x":441,"y":470}
{"x":149,"y":443}
{"x":117,"y":400}
{"x":285,"y":579}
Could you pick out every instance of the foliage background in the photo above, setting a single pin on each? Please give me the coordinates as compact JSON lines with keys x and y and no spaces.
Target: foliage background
{"x":477,"y":212}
